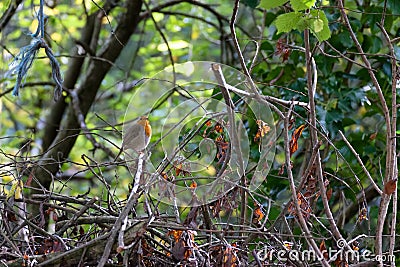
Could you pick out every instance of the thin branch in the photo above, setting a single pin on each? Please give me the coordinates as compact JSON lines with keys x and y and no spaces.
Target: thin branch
{"x":311,"y":85}
{"x":235,"y":142}
{"x":390,"y":142}
{"x":133,"y":196}
{"x":299,"y":212}
{"x":81,"y":118}
{"x":171,"y":58}
{"x":267,"y":98}
{"x":393,"y":132}
{"x":361,"y":163}
{"x":253,"y":87}
{"x":7,"y":15}
{"x":373,"y":78}
{"x":76,"y":216}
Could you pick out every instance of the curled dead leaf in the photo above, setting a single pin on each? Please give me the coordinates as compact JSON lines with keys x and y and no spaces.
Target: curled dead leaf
{"x":322,"y":248}
{"x":293,"y":146}
{"x":362,"y":215}
{"x":258,"y":214}
{"x":390,"y":187}
{"x":263,"y":129}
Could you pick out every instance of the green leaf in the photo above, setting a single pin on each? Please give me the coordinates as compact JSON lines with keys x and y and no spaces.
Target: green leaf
{"x":376,"y":45}
{"x":298,"y":5}
{"x":303,"y":24}
{"x":267,"y":47}
{"x":394,"y":5}
{"x":251,"y":3}
{"x":268,"y":4}
{"x":345,"y":39}
{"x":287,"y":22}
{"x":269,"y":18}
{"x":319,"y":25}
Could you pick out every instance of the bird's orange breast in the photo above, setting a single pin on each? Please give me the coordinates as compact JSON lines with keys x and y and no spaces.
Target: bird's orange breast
{"x":147,"y":128}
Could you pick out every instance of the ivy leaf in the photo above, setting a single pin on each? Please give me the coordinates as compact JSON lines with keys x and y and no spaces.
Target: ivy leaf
{"x":298,"y":5}
{"x":268,"y":4}
{"x":287,"y":22}
{"x":319,"y":25}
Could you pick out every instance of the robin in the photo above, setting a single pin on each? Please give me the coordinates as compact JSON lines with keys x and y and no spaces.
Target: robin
{"x":137,"y":136}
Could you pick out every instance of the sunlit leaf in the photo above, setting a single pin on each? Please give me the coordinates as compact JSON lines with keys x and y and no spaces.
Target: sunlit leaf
{"x":176,"y":234}
{"x":263,"y":129}
{"x":218,"y":128}
{"x":173,"y":45}
{"x":287,"y":22}
{"x":16,"y":189}
{"x":319,"y":26}
{"x":298,"y":5}
{"x":267,"y":4}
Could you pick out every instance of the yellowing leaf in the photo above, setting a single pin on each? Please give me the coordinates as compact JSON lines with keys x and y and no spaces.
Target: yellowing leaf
{"x":158,"y":16}
{"x":16,"y":189}
{"x":51,"y":11}
{"x":33,"y":26}
{"x":173,"y":45}
{"x":320,"y":30}
{"x":55,"y":36}
{"x":195,"y":33}
{"x":318,"y":25}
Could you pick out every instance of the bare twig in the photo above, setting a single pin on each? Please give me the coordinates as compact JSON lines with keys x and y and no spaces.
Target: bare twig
{"x":171,"y":58}
{"x":311,"y":86}
{"x":307,"y":233}
{"x":393,"y":132}
{"x":361,"y":163}
{"x":133,"y":196}
{"x":76,"y":216}
{"x":267,"y":98}
{"x":81,"y":118}
{"x":253,"y":87}
{"x":235,"y":142}
{"x":390,"y":141}
{"x":7,"y":15}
